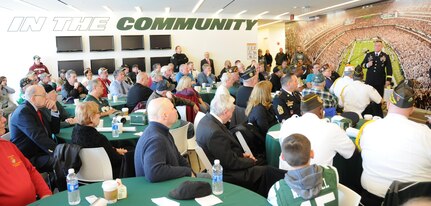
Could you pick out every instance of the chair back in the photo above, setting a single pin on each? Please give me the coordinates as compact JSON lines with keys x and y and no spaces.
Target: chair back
{"x":182,"y":111}
{"x":198,"y":118}
{"x":96,"y":166}
{"x":347,"y":197}
{"x":180,"y":138}
{"x":400,"y":192}
{"x":204,"y":159}
{"x":243,"y":143}
{"x":6,"y":136}
{"x":192,"y":142}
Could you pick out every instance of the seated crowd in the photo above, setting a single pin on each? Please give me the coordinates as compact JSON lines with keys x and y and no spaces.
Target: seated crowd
{"x":296,"y":96}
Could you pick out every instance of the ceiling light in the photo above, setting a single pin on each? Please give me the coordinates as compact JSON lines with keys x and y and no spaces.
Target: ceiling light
{"x":31,"y":5}
{"x":167,"y":10}
{"x":280,"y":15}
{"x":197,"y":6}
{"x":260,"y":15}
{"x":72,"y":7}
{"x":242,"y":12}
{"x":218,"y":12}
{"x":138,"y":9}
{"x":329,"y":7}
{"x":107,"y":9}
{"x":267,"y":24}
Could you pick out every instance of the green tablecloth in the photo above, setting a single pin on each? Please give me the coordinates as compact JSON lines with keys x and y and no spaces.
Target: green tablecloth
{"x":349,"y":170}
{"x":207,"y":96}
{"x":140,"y":192}
{"x":118,"y":105}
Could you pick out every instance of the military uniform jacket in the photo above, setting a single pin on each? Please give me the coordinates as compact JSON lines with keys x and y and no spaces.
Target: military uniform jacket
{"x":376,"y":74}
{"x":285,"y":105}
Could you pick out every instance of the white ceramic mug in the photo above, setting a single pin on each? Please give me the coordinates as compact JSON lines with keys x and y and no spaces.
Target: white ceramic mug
{"x":115,"y":97}
{"x":109,"y":96}
{"x":208,"y":89}
{"x":368,"y":117}
{"x":125,"y":111}
{"x":76,"y":101}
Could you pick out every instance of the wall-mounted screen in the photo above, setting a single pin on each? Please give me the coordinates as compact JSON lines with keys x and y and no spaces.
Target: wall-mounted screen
{"x":161,"y":60}
{"x":69,"y":43}
{"x":138,"y":60}
{"x":160,"y":41}
{"x":107,"y":63}
{"x":132,"y":42}
{"x":101,"y":43}
{"x":76,"y":65}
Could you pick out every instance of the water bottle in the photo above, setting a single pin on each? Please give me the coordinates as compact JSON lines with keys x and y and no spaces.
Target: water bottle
{"x":72,"y":188}
{"x":217,"y":184}
{"x":115,"y":129}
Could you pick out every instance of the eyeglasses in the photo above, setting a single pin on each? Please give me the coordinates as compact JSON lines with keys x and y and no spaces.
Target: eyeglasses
{"x":40,"y":95}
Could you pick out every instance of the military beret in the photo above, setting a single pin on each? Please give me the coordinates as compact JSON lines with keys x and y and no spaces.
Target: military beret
{"x":403,"y":95}
{"x":310,"y":102}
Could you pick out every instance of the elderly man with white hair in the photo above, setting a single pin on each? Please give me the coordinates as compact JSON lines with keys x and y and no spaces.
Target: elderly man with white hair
{"x":167,"y":72}
{"x":340,"y":84}
{"x":156,"y":156}
{"x":206,"y":76}
{"x":218,"y":143}
{"x":227,"y":81}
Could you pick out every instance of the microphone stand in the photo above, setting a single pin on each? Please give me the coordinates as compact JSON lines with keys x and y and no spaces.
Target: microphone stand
{"x":353,"y":59}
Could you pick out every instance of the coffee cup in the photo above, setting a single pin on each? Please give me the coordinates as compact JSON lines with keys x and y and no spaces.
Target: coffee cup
{"x":208,"y":89}
{"x":368,"y":117}
{"x":109,"y":96}
{"x":110,"y":191}
{"x":115,"y":97}
{"x":204,"y":85}
{"x":76,"y":101}
{"x":125,"y":111}
{"x":100,"y":125}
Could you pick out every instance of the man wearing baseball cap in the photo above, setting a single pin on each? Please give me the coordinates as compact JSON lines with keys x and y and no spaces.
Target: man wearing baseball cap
{"x":394,"y":148}
{"x":38,"y":67}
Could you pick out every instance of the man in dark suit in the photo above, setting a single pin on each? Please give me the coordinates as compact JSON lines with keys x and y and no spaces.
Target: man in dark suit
{"x":31,"y":129}
{"x":218,"y":143}
{"x":376,"y":62}
{"x":209,"y":61}
{"x":139,"y":92}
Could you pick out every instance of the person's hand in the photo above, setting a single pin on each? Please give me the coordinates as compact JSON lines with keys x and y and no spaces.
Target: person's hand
{"x":50,"y":104}
{"x":196,"y":108}
{"x":121,"y":151}
{"x":250,"y":156}
{"x":110,"y":111}
{"x":76,"y":85}
{"x":169,"y":95}
{"x":369,"y":64}
{"x":71,"y":120}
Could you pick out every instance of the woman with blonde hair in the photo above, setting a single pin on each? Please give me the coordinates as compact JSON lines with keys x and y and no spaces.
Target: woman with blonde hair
{"x":85,"y":134}
{"x":185,"y":90}
{"x":259,"y":107}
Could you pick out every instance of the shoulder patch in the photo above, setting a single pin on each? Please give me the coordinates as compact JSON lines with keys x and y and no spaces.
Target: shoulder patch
{"x":280,"y":110}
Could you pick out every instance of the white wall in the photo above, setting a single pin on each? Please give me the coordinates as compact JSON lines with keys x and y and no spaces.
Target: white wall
{"x":18,"y":48}
{"x":272,"y":37}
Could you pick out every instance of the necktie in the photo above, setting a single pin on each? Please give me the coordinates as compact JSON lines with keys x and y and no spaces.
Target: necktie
{"x":123,"y":90}
{"x":40,"y":117}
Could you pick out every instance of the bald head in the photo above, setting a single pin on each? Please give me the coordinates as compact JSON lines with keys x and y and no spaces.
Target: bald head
{"x":36,"y":95}
{"x":162,"y":110}
{"x":142,"y":78}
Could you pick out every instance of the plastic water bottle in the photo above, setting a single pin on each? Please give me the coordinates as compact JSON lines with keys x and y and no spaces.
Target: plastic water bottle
{"x":73,"y":188}
{"x":115,"y":129}
{"x":217,"y":184}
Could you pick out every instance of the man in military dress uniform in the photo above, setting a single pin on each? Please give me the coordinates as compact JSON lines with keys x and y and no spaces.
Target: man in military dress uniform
{"x":178,"y":58}
{"x":288,"y":101}
{"x":379,"y":71}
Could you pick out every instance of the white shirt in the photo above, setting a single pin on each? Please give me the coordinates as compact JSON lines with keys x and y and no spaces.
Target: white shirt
{"x":338,"y":85}
{"x":394,"y":148}
{"x":358,"y":95}
{"x":326,"y":139}
{"x":222,"y":90}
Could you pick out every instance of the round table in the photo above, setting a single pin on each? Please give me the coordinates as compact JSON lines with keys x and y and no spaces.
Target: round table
{"x":140,"y":192}
{"x":207,"y":96}
{"x":118,"y":105}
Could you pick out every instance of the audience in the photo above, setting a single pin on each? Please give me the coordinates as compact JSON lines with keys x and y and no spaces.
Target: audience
{"x":310,"y":77}
{"x":326,"y":139}
{"x":134,"y":72}
{"x":305,"y":183}
{"x":209,"y":61}
{"x":45,"y":81}
{"x":103,"y":77}
{"x":206,"y":76}
{"x":259,"y":107}
{"x":168,"y":74}
{"x":126,"y":70}
{"x":192,"y":70}
{"x":21,"y":183}
{"x":31,"y":131}
{"x":140,"y":92}
{"x":327,"y":72}
{"x":119,"y":87}
{"x":95,"y":87}
{"x":61,"y":79}
{"x":268,"y":59}
{"x":6,"y":103}
{"x":156,"y":156}
{"x":85,"y":134}
{"x":234,"y":71}
{"x":218,"y":143}
{"x":72,"y":89}
{"x":280,"y":57}
{"x":288,"y":101}
{"x":394,"y":148}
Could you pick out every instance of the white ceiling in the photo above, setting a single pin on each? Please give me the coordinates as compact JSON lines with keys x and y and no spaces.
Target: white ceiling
{"x":208,"y":7}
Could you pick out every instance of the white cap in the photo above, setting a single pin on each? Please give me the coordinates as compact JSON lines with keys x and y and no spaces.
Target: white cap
{"x":71,"y":170}
{"x":349,"y":68}
{"x":216,"y":161}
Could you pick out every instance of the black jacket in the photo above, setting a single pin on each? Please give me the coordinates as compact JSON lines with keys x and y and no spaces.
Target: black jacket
{"x":177,"y":60}
{"x":137,"y":93}
{"x":285,"y":105}
{"x":204,"y":61}
{"x":69,"y":93}
{"x":262,"y":118}
{"x":66,"y":156}
{"x":89,"y":137}
{"x":242,"y":96}
{"x":276,"y":84}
